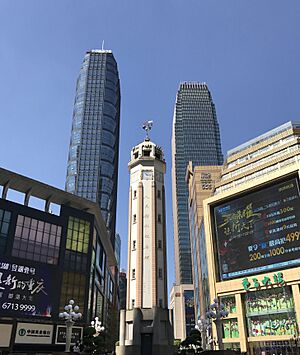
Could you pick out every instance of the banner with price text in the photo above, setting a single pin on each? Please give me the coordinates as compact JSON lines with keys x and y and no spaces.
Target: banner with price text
{"x":25,"y":290}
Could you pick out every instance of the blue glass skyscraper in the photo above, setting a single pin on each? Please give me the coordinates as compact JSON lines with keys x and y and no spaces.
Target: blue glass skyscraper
{"x":196,"y":138}
{"x":92,"y":170}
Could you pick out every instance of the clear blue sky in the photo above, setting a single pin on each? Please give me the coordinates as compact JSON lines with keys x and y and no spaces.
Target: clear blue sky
{"x":248,"y":52}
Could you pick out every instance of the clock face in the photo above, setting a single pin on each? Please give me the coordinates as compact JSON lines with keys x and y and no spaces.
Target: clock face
{"x":147,"y":175}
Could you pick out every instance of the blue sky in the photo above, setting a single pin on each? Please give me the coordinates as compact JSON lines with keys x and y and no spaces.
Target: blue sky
{"x":246,"y":51}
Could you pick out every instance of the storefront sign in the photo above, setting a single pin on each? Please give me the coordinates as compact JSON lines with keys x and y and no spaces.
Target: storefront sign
{"x":5,"y":335}
{"x":61,"y":335}
{"x":25,"y":290}
{"x":259,"y":232}
{"x":32,"y":333}
{"x":264,"y":282}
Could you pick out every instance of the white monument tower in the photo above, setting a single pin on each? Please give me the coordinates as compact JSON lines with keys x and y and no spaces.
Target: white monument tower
{"x":144,"y":326}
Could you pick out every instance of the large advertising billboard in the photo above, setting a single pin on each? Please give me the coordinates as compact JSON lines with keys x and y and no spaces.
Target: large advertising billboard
{"x":26,"y":290}
{"x":259,"y":232}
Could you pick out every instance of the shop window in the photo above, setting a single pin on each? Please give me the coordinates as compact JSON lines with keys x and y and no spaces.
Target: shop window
{"x":270,"y":312}
{"x":232,"y":346}
{"x":229,"y":303}
{"x":230,"y":328}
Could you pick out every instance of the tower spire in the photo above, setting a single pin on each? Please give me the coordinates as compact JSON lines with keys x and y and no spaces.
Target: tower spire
{"x":147,"y":126}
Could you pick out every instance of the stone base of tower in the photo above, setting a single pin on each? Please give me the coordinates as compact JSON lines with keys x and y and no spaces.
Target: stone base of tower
{"x":145,"y":332}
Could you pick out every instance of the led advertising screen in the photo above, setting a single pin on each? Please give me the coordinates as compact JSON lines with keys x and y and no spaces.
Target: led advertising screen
{"x":26,"y":290}
{"x":259,"y":232}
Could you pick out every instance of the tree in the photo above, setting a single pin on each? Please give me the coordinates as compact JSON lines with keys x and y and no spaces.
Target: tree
{"x":191,"y":344}
{"x":93,"y":342}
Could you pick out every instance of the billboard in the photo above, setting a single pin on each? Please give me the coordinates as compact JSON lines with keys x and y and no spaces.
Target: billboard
{"x":26,"y":290}
{"x":260,"y":231}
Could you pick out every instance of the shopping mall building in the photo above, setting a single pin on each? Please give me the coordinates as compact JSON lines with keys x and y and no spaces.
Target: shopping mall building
{"x":251,"y":236}
{"x":53,"y":247}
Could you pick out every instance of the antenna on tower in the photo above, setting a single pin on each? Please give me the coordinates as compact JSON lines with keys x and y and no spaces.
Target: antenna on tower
{"x":147,"y":126}
{"x":102,"y":45}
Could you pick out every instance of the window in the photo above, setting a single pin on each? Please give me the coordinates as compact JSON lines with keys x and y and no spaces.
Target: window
{"x":133,"y":244}
{"x":134,"y":194}
{"x":4,"y":225}
{"x":132,"y":303}
{"x":159,"y":244}
{"x":133,"y":274}
{"x":78,"y":235}
{"x":158,"y":194}
{"x":160,"y":303}
{"x":37,"y":240}
{"x":160,"y":273}
{"x":134,"y":218}
{"x":73,"y":287}
{"x":159,"y":218}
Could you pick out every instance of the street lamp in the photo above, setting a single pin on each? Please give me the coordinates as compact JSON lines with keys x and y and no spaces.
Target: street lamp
{"x":70,"y":315}
{"x":203,"y":325}
{"x":216,"y":313}
{"x":96,"y":324}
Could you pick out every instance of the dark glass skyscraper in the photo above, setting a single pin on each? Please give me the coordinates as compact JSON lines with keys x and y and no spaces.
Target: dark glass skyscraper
{"x":92,"y":170}
{"x":195,"y":138}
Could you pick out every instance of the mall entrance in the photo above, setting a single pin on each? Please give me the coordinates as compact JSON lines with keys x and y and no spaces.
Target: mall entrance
{"x":274,"y":348}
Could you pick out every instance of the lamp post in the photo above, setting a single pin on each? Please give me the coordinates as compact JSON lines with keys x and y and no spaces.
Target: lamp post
{"x":216,"y":313}
{"x":96,"y":324}
{"x":70,"y":315}
{"x":203,"y":325}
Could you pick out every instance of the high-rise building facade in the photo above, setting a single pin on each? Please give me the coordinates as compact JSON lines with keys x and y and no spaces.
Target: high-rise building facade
{"x":144,"y":326}
{"x":195,"y":138}
{"x":201,"y":183}
{"x":253,"y":245}
{"x":92,"y":170}
{"x":51,"y":252}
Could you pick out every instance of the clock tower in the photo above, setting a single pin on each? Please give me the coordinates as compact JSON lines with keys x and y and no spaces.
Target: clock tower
{"x":144,"y":326}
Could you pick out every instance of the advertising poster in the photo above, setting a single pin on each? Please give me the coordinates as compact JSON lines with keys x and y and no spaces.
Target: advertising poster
{"x":26,"y":290}
{"x":260,"y":231}
{"x":189,"y":310}
{"x":61,"y":335}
